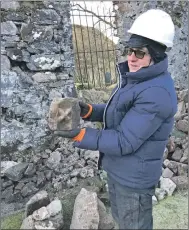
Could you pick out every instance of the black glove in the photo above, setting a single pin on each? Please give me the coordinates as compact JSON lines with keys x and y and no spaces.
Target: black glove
{"x":67,"y":133}
{"x":84,"y":108}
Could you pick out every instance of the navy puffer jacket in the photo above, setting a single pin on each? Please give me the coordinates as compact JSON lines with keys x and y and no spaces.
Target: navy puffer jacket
{"x":138,"y":119}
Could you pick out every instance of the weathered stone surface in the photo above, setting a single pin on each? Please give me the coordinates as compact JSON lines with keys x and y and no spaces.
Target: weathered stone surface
{"x":9,"y":82}
{"x":44,"y":77}
{"x":182,"y":125}
{"x":182,"y":169}
{"x":85,"y":214}
{"x":6,"y":165}
{"x":184,"y":158}
{"x":64,"y":114}
{"x":13,"y":5}
{"x":5,"y":63}
{"x":54,"y":208}
{"x":44,"y":62}
{"x":181,"y":182}
{"x":173,"y":165}
{"x":168,"y":185}
{"x":105,"y":220}
{"x":167,"y":173}
{"x":46,"y":17}
{"x":31,"y":169}
{"x":16,"y":172}
{"x":180,"y":110}
{"x":154,"y":200}
{"x":8,"y":28}
{"x":30,"y":32}
{"x":36,"y":202}
{"x":41,"y":214}
{"x":28,"y":223}
{"x":54,"y":160}
{"x":160,"y":193}
{"x":18,"y":55}
{"x":29,"y":189}
{"x":177,"y":154}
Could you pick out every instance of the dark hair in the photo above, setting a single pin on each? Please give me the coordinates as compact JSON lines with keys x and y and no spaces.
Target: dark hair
{"x":156,"y":50}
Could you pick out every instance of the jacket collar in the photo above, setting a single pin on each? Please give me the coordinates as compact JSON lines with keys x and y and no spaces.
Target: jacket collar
{"x":143,"y":74}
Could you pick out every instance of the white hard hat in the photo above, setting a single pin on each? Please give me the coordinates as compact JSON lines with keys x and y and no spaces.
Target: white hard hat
{"x":155,"y":24}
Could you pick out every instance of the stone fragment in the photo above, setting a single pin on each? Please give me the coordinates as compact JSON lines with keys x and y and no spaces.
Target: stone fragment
{"x":44,"y":77}
{"x":177,"y":154}
{"x":181,"y":182}
{"x":41,"y":214}
{"x":55,"y":207}
{"x":44,"y":62}
{"x":30,"y":171}
{"x":160,"y":193}
{"x":28,"y":223}
{"x":180,"y":110}
{"x":16,"y":172}
{"x":105,"y":219}
{"x":64,"y":114}
{"x":8,"y":28}
{"x":184,"y":158}
{"x":54,"y":160}
{"x":7,"y":164}
{"x":37,"y":201}
{"x":167,"y":173}
{"x":5,"y":63}
{"x":46,"y":17}
{"x":10,"y":5}
{"x":182,"y":125}
{"x":85,"y":213}
{"x":168,"y":185}
{"x":182,"y":169}
{"x":154,"y":200}
{"x":29,"y":189}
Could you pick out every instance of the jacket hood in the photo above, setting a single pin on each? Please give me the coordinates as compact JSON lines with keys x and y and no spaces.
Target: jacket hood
{"x":143,"y":74}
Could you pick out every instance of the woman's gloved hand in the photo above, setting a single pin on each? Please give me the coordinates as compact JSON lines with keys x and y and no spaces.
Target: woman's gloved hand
{"x":75,"y":134}
{"x":86,"y":109}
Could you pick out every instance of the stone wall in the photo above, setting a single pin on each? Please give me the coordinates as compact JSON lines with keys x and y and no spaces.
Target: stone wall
{"x":127,"y":11}
{"x":37,"y":65}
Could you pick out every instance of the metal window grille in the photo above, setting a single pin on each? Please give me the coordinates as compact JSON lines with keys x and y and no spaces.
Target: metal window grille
{"x":94,"y":48}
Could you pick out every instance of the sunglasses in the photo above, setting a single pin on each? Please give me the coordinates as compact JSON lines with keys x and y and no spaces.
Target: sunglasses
{"x":138,"y":53}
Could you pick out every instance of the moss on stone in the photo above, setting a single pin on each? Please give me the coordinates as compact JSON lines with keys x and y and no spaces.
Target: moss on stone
{"x":12,"y":222}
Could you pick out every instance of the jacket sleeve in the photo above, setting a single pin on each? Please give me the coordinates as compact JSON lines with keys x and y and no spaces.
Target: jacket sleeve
{"x":97,"y":113}
{"x":147,"y":114}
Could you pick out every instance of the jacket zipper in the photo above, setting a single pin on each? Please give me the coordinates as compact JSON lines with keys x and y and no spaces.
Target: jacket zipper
{"x":119,"y":86}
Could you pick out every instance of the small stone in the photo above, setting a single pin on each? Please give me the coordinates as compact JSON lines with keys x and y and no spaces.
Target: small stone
{"x":182,"y":169}
{"x":168,"y":185}
{"x":41,"y":214}
{"x":167,"y":173}
{"x":181,"y":182}
{"x":16,"y":172}
{"x":28,"y":223}
{"x":8,"y":28}
{"x":154,"y":200}
{"x":160,"y":193}
{"x":177,"y":154}
{"x":182,"y":125}
{"x":72,"y":182}
{"x":54,"y":207}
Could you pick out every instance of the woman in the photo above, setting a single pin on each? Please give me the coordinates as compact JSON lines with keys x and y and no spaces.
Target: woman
{"x":138,"y":120}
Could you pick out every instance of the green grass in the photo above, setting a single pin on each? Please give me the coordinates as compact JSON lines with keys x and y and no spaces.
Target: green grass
{"x":12,"y":222}
{"x":172,"y":213}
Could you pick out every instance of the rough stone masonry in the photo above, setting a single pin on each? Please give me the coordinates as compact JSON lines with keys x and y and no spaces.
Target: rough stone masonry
{"x":37,"y":65}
